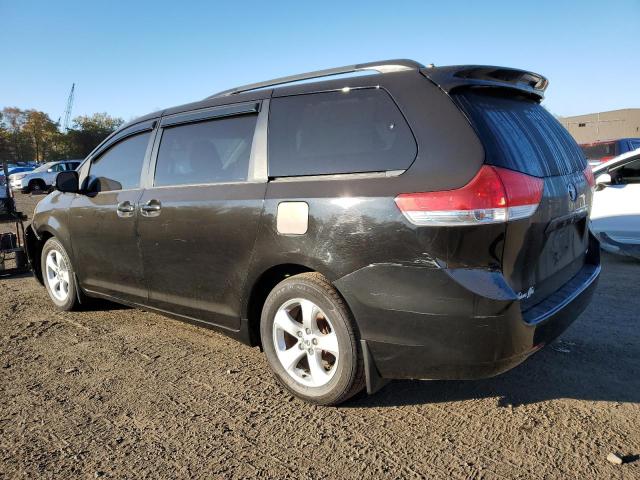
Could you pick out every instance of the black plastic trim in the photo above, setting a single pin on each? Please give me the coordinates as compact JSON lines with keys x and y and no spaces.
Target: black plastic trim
{"x":563,"y":297}
{"x":208,"y":113}
{"x":452,"y":77}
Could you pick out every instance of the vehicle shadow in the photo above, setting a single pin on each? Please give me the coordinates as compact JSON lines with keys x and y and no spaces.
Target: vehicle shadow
{"x":101,"y":305}
{"x":15,"y":276}
{"x":548,"y":375}
{"x":89,"y":305}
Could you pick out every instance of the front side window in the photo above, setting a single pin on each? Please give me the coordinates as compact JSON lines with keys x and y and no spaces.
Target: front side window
{"x":213,"y":151}
{"x":338,"y":132}
{"x":59,"y":167}
{"x":119,"y":167}
{"x":626,"y":174}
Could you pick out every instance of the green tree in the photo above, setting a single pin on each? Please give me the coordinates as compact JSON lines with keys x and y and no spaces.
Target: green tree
{"x":19,"y":145}
{"x":42,"y":132}
{"x":88,"y":131}
{"x":4,"y":141}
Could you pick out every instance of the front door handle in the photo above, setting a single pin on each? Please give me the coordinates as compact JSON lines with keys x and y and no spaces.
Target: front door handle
{"x":151,"y":208}
{"x":125,"y":209}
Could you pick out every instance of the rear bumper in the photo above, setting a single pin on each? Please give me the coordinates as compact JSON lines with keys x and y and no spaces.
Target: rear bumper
{"x":429,"y":323}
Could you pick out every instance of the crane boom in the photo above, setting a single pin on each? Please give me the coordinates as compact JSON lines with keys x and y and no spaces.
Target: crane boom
{"x":67,"y":111}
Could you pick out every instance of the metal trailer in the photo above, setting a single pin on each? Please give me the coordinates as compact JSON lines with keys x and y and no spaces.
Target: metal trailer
{"x":13,"y":257}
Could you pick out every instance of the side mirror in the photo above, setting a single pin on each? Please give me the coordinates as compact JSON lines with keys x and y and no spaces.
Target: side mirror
{"x":49,"y":170}
{"x":67,"y":182}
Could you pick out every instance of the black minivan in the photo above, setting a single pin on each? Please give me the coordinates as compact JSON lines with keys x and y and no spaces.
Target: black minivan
{"x":401,"y":221}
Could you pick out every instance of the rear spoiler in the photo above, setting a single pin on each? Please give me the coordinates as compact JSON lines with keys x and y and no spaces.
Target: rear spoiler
{"x":454,"y":77}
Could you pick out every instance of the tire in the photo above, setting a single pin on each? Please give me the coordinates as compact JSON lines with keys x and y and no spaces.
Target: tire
{"x":301,"y":315}
{"x":36,"y":186}
{"x":58,"y":276}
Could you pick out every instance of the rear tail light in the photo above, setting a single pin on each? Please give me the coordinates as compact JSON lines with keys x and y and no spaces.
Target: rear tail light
{"x":494,"y":195}
{"x":588,"y":174}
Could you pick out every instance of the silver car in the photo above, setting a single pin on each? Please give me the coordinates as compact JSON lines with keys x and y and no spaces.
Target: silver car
{"x":42,"y":178}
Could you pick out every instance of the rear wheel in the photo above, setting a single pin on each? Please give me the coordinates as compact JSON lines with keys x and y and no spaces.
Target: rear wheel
{"x":58,"y":275}
{"x":310,"y":340}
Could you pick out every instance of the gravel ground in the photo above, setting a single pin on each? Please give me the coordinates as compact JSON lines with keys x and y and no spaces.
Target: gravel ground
{"x":121,"y":393}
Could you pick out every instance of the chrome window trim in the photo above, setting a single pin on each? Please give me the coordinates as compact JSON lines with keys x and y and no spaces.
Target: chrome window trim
{"x":339,"y":176}
{"x":209,"y":184}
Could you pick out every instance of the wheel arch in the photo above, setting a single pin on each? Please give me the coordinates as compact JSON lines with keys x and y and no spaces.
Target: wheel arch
{"x":258,"y":292}
{"x":35,"y":241}
{"x":37,"y":180}
{"x":260,"y":289}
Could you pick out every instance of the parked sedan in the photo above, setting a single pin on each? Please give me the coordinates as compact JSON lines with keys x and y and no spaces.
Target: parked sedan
{"x":615,"y":216}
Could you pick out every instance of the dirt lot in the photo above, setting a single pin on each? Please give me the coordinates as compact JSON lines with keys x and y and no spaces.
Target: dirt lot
{"x":121,"y":393}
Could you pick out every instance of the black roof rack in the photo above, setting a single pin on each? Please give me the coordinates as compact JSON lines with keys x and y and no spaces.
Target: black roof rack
{"x":384,"y":66}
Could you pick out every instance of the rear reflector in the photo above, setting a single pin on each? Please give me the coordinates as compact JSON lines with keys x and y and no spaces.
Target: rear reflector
{"x":494,"y":195}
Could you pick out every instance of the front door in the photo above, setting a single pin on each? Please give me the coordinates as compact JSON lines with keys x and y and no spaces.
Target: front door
{"x":198,"y":221}
{"x":103,"y":221}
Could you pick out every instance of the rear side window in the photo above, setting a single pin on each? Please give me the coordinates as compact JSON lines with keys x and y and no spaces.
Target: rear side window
{"x":519,"y":134}
{"x":213,"y":151}
{"x":119,"y":167}
{"x":598,"y":151}
{"x":338,"y":132}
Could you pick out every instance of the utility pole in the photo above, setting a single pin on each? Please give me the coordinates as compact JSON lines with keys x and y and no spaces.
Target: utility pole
{"x":67,"y":111}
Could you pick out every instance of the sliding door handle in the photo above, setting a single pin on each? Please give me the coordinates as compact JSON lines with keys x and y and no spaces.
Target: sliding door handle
{"x":151,"y":208}
{"x":125,"y":209}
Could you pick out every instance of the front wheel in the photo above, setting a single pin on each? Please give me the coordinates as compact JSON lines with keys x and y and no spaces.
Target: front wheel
{"x":311,"y":341}
{"x":36,"y":186}
{"x":58,"y":275}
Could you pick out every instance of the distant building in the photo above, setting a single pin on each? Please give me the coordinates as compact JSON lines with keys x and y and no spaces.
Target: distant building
{"x":611,"y":125}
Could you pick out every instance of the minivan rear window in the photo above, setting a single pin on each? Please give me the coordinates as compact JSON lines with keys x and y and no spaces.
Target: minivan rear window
{"x":338,"y":132}
{"x":519,"y":134}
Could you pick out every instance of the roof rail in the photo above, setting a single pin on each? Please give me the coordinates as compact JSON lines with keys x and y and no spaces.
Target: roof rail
{"x":384,"y":66}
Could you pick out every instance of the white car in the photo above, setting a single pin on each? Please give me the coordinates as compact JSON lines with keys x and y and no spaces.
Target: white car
{"x":42,"y":178}
{"x":615,"y":215}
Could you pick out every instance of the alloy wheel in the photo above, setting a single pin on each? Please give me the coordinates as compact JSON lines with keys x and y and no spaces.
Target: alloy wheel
{"x":305,"y":342}
{"x":57,"y":275}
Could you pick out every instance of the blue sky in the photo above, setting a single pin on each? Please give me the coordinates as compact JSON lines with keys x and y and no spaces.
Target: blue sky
{"x":128,"y":58}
